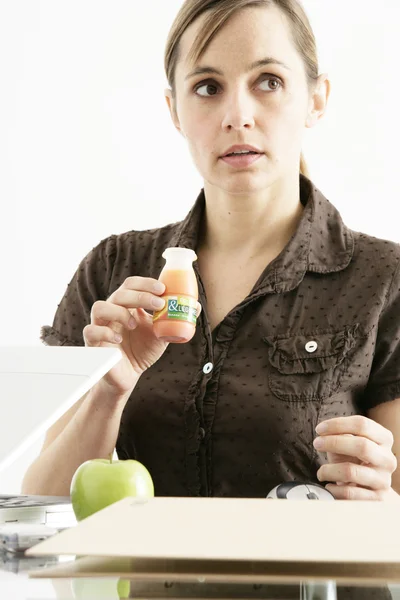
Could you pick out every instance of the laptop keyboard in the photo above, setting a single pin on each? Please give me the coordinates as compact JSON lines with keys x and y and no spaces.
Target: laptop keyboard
{"x":8,"y":501}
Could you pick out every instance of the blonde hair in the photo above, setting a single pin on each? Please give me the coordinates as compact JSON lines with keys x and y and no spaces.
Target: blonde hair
{"x":219,"y":11}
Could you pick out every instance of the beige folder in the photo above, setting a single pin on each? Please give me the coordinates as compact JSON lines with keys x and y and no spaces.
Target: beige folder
{"x":223,"y":536}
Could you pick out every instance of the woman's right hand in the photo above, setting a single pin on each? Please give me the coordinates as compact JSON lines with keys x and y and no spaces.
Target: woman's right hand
{"x":124,"y":314}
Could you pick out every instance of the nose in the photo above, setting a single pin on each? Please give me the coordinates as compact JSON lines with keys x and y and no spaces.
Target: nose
{"x":238,"y":111}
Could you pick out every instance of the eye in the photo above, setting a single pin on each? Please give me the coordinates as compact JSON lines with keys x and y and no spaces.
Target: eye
{"x":210,"y":83}
{"x":274,"y":80}
{"x":205,"y":84}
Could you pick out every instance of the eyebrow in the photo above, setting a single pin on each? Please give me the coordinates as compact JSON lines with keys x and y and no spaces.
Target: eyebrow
{"x":258,"y":63}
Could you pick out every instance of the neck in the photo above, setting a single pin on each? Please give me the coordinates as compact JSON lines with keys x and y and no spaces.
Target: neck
{"x":250,"y":225}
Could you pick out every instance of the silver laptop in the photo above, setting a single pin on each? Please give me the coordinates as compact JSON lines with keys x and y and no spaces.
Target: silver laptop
{"x":37,"y":386}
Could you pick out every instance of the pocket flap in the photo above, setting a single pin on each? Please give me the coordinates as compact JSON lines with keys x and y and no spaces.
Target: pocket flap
{"x":310,"y":352}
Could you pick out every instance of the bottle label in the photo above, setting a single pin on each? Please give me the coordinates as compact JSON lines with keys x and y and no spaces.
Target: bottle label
{"x":177,"y":308}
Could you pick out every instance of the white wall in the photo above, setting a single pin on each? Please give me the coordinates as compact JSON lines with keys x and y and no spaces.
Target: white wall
{"x":87,"y":147}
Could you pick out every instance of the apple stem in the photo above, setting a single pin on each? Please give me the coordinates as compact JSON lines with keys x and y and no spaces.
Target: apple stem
{"x":111,"y":455}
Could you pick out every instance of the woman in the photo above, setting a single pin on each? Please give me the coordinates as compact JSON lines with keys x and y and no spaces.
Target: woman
{"x":299,"y":313}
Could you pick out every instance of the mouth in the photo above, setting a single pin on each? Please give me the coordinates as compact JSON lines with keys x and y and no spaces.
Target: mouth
{"x":248,"y":153}
{"x":241,"y":150}
{"x":242,"y":159}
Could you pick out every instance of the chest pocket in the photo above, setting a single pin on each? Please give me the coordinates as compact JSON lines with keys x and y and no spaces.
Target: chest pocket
{"x":309,"y":365}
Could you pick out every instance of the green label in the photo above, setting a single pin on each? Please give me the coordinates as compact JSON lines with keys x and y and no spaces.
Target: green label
{"x":182,"y":309}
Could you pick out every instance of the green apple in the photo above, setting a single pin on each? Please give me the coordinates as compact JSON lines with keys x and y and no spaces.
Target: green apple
{"x":106,"y":588}
{"x":99,"y":482}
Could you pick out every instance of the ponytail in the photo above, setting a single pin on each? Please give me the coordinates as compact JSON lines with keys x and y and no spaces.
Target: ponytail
{"x":303,"y":167}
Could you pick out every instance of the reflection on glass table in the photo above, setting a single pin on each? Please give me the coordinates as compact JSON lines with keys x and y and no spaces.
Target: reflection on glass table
{"x":14,"y":575}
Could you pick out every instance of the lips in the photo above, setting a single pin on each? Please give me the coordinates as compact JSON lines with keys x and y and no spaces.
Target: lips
{"x":241,"y":161}
{"x":241,"y":148}
{"x":247,"y":153}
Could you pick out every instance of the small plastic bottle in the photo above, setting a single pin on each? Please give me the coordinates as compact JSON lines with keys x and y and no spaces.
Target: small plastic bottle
{"x":176,"y":322}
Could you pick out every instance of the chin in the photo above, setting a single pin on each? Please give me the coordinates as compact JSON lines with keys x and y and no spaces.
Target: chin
{"x":246,"y":183}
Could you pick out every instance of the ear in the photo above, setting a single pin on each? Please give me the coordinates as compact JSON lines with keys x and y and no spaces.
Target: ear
{"x":318,"y":100}
{"x":172,"y":109}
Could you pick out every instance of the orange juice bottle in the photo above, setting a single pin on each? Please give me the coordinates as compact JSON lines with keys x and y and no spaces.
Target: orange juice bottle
{"x":176,"y":322}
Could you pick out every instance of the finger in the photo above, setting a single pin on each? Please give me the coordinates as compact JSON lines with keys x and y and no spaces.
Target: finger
{"x":334,"y":457}
{"x":93,"y":335}
{"x":150,"y":286}
{"x":360,"y":447}
{"x":103,"y":313}
{"x":136,"y":299}
{"x":358,"y":425}
{"x":348,"y":492}
{"x":144,"y":284}
{"x":351,"y":473}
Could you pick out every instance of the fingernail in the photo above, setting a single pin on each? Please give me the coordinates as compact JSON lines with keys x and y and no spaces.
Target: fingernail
{"x":318,"y":443}
{"x":321,"y":428}
{"x":159,"y":287}
{"x":158,"y":302}
{"x":118,"y":338}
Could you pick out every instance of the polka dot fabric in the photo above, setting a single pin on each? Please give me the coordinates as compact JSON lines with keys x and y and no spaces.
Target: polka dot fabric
{"x":317,"y":337}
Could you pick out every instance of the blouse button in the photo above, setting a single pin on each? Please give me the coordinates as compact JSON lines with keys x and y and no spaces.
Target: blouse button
{"x":208,"y":368}
{"x":311,"y":346}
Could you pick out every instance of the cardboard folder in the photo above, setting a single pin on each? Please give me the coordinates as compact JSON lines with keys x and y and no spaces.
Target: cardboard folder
{"x":224,"y":536}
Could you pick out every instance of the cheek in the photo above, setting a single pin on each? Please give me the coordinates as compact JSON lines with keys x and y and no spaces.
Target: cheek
{"x":200,"y":134}
{"x":286,"y":122}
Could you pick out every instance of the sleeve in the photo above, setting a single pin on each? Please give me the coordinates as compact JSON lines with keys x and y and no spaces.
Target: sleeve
{"x":91,"y":282}
{"x":384,"y":380}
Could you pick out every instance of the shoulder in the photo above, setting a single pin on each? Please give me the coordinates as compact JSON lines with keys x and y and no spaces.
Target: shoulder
{"x":372,"y":246}
{"x":376,"y":264}
{"x":376,"y":253}
{"x":134,"y":252}
{"x":117,"y":246}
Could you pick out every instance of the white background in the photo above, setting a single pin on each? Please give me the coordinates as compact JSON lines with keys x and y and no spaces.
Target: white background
{"x":87,"y":147}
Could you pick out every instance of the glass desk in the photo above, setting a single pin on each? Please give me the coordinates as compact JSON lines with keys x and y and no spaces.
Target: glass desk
{"x":15,"y":584}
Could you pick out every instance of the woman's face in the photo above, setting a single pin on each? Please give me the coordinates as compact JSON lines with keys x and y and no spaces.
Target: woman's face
{"x":267,"y":107}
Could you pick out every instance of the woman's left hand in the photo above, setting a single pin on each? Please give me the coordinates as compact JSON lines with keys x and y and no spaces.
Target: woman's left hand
{"x":360,"y":458}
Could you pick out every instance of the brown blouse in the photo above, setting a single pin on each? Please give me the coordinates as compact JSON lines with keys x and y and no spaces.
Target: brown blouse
{"x":233,"y":412}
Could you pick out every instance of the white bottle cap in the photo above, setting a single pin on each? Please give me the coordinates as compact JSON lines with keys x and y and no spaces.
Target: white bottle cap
{"x":179,"y":258}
